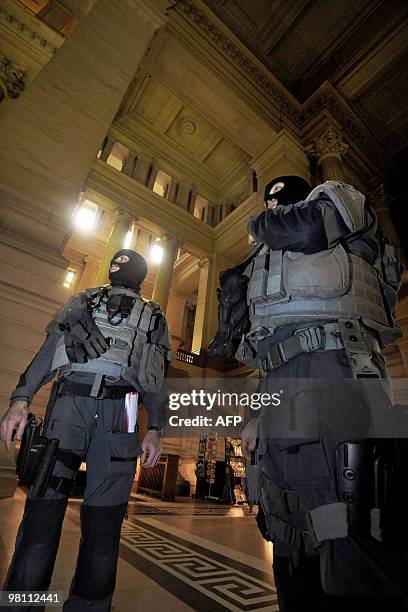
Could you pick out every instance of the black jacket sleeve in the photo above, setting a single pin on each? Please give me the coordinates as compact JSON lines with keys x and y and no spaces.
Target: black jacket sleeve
{"x":156,"y":403}
{"x":300,"y":227}
{"x":37,"y":373}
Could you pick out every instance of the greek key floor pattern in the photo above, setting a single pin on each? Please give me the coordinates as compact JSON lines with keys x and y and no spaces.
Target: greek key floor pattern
{"x":201,"y":578}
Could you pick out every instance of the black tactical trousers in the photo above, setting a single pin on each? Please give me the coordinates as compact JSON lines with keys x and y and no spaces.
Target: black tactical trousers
{"x":297,"y":448}
{"x":93,"y":429}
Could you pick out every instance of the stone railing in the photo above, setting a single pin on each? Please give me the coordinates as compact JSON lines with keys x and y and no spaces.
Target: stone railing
{"x":144,"y":169}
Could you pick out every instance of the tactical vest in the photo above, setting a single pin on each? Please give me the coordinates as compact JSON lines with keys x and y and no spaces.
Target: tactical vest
{"x":295,"y":287}
{"x":131,"y":355}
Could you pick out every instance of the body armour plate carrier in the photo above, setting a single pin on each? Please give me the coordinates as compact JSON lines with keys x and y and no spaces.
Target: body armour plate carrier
{"x":131,"y":354}
{"x":293,"y":287}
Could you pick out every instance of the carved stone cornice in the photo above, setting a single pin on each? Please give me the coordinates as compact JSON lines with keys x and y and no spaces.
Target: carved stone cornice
{"x":330,"y":143}
{"x":282,"y":99}
{"x":24,"y":25}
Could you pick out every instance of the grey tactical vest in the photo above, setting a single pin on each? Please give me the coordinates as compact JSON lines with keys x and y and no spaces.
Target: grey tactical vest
{"x":294,"y":287}
{"x":131,"y":355}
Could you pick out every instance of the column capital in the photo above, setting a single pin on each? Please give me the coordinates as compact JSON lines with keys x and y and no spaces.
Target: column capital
{"x":328,"y":144}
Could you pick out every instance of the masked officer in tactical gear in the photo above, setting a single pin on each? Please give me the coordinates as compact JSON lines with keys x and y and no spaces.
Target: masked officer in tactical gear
{"x":320,"y":303}
{"x":106,"y":344}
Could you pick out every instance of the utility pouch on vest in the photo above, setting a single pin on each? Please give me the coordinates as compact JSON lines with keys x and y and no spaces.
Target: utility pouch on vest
{"x":320,"y":275}
{"x":259,"y":276}
{"x":147,"y":358}
{"x":265,"y":283}
{"x":151,"y":372}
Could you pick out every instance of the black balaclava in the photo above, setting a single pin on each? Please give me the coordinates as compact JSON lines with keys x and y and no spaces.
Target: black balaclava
{"x":295,"y":190}
{"x":130,"y":274}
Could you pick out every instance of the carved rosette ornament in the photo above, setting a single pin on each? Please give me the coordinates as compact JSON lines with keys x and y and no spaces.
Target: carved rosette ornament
{"x":328,"y":149}
{"x":12,"y":79}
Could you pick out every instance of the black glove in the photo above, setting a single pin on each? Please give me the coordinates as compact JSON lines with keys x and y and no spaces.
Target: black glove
{"x":83,"y":339}
{"x":233,"y":316}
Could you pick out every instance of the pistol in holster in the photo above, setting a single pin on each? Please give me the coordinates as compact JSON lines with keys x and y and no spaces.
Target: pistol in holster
{"x":37,"y":454}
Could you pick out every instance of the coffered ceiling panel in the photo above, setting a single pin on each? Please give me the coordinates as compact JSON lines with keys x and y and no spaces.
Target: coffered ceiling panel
{"x":184,"y":128}
{"x":154,"y":98}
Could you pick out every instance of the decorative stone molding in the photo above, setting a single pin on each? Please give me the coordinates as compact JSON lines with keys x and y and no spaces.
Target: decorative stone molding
{"x":283,"y":100}
{"x":12,"y":79}
{"x":330,"y":143}
{"x":15,"y":18}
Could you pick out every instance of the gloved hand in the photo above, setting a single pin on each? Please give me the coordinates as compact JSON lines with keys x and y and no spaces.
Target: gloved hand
{"x":233,"y":317}
{"x":83,"y":339}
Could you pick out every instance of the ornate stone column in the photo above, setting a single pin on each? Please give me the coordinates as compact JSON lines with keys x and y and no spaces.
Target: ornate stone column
{"x":328,"y":149}
{"x":116,"y":242}
{"x":162,"y":284}
{"x":89,"y":274}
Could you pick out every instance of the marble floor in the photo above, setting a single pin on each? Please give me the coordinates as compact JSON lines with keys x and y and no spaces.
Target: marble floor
{"x":174,"y":557}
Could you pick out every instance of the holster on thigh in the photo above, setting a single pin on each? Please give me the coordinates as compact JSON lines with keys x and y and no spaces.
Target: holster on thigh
{"x":36,"y":545}
{"x":95,"y":574}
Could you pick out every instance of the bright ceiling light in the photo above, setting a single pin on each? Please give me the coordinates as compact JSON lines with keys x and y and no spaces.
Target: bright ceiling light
{"x":156,"y":254}
{"x":69,"y":279}
{"x":86,"y":215}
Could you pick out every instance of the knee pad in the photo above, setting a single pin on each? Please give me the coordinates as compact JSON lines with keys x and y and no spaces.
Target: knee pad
{"x":36,"y":545}
{"x":95,"y":575}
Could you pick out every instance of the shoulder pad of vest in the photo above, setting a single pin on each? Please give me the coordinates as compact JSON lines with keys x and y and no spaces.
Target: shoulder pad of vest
{"x":348,"y":201}
{"x":154,"y":306}
{"x":93,"y":290}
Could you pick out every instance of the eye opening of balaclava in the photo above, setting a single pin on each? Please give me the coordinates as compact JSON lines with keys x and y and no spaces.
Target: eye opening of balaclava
{"x":294,"y":190}
{"x":132,"y":273}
